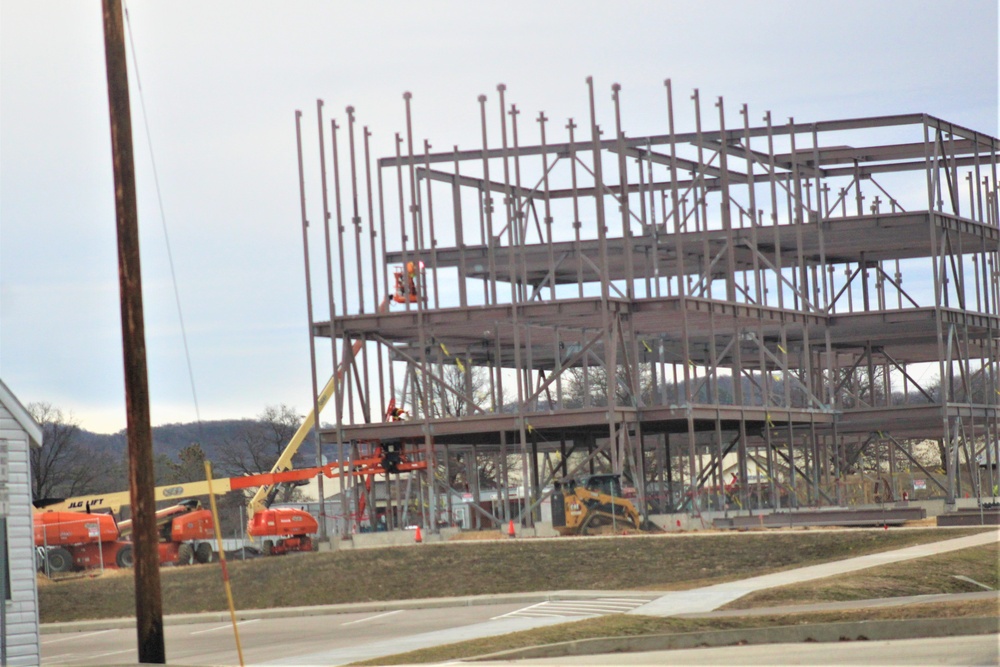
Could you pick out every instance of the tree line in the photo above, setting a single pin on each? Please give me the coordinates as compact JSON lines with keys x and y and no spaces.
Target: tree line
{"x":75,"y":462}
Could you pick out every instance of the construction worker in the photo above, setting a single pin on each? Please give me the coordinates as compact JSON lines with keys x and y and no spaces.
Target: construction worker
{"x":411,"y":280}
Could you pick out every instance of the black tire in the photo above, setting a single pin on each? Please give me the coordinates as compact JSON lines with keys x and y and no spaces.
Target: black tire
{"x":60,"y":560}
{"x":267,"y":547}
{"x":185,"y":554}
{"x":203,"y":553}
{"x":125,"y":558}
{"x":591,"y":519}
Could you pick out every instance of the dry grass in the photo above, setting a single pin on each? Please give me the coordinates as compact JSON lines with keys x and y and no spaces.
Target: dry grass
{"x":478,"y":536}
{"x":934,"y":574}
{"x":622,"y":625}
{"x":477,"y":568}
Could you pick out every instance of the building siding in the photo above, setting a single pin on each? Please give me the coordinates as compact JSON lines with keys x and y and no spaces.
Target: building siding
{"x":22,"y":610}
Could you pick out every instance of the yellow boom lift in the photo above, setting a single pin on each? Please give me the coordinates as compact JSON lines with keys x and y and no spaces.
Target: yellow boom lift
{"x":407,"y":290}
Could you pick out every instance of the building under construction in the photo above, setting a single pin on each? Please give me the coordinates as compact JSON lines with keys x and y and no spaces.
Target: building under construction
{"x":816,"y":301}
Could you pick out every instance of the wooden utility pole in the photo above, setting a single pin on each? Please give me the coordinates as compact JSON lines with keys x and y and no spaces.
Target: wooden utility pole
{"x":148,"y":602}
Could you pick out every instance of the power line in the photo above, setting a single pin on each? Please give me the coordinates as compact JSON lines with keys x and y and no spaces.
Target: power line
{"x":163,"y":217}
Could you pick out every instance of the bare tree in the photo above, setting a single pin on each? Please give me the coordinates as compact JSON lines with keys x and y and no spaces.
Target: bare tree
{"x":260,"y":443}
{"x":461,"y":390}
{"x":257,"y":446}
{"x":450,"y":398}
{"x":591,"y":388}
{"x":190,"y":466}
{"x":62,"y":466}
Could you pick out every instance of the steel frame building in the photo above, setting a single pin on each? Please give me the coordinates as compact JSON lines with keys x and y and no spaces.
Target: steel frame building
{"x":781,"y":292}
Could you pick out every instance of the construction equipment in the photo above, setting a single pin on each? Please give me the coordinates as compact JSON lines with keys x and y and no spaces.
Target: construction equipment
{"x":66,"y":522}
{"x":266,"y":494}
{"x":286,"y":528}
{"x":183,"y":529}
{"x":82,"y":540}
{"x":587,"y":503}
{"x":387,"y":458}
{"x":113,"y":502}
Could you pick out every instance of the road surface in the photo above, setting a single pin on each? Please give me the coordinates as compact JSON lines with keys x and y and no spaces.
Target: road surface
{"x":975,"y":650}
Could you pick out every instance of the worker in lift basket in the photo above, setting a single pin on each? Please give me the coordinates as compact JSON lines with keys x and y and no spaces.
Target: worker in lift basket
{"x":411,"y":279}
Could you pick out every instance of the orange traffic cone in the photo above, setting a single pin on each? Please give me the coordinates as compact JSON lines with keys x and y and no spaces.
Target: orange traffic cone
{"x":418,"y":537}
{"x":510,"y":529}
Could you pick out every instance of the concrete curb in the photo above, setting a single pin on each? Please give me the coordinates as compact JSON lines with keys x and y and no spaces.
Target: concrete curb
{"x":348,"y":608}
{"x":823,"y":632}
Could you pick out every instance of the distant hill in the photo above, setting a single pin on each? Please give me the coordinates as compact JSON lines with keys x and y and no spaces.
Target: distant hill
{"x":170,"y":439}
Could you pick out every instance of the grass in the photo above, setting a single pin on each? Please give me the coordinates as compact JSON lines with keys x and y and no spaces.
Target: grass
{"x":934,"y":574}
{"x":475,"y":568}
{"x":622,"y":625}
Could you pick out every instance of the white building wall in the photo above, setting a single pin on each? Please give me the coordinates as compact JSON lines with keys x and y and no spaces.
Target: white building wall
{"x":22,"y":609}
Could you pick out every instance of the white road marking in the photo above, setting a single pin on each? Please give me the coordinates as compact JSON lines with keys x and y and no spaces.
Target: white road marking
{"x":67,"y":660}
{"x":224,"y":627}
{"x":517,"y":611}
{"x":372,"y":618}
{"x":66,"y":639}
{"x":101,"y":655}
{"x":576,"y":608}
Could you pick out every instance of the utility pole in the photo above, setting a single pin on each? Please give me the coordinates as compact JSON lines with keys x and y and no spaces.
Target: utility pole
{"x":148,"y":602}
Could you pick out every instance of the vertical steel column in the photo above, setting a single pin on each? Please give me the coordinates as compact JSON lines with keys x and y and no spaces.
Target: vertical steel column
{"x":752,"y":204}
{"x":682,"y":291}
{"x":624,"y":194}
{"x":390,"y":363}
{"x":944,"y":373}
{"x":432,"y":247}
{"x":312,"y":343}
{"x":403,"y":237}
{"x":488,"y":207}
{"x":548,"y":206}
{"x":364,"y":387}
{"x":425,"y":374}
{"x":515,"y":241}
{"x":772,"y":179}
{"x":610,"y":358}
{"x":577,"y":224}
{"x":737,"y":370}
{"x":456,"y":206}
{"x":374,"y":267}
{"x":700,"y":204}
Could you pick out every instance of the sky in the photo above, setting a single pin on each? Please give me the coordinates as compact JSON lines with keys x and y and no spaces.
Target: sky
{"x":221,"y":81}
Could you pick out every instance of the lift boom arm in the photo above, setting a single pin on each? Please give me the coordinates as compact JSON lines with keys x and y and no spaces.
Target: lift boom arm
{"x":262,"y":499}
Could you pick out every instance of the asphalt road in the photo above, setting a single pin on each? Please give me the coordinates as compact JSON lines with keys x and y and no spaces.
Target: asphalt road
{"x":975,"y":650}
{"x":265,"y":640}
{"x":341,"y":638}
{"x":326,"y":640}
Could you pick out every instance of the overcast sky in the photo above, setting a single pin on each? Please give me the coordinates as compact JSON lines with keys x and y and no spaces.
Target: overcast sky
{"x":221,"y":82}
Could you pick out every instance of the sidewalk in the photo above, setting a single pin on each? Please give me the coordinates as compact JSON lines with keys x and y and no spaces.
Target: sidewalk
{"x":702,"y":600}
